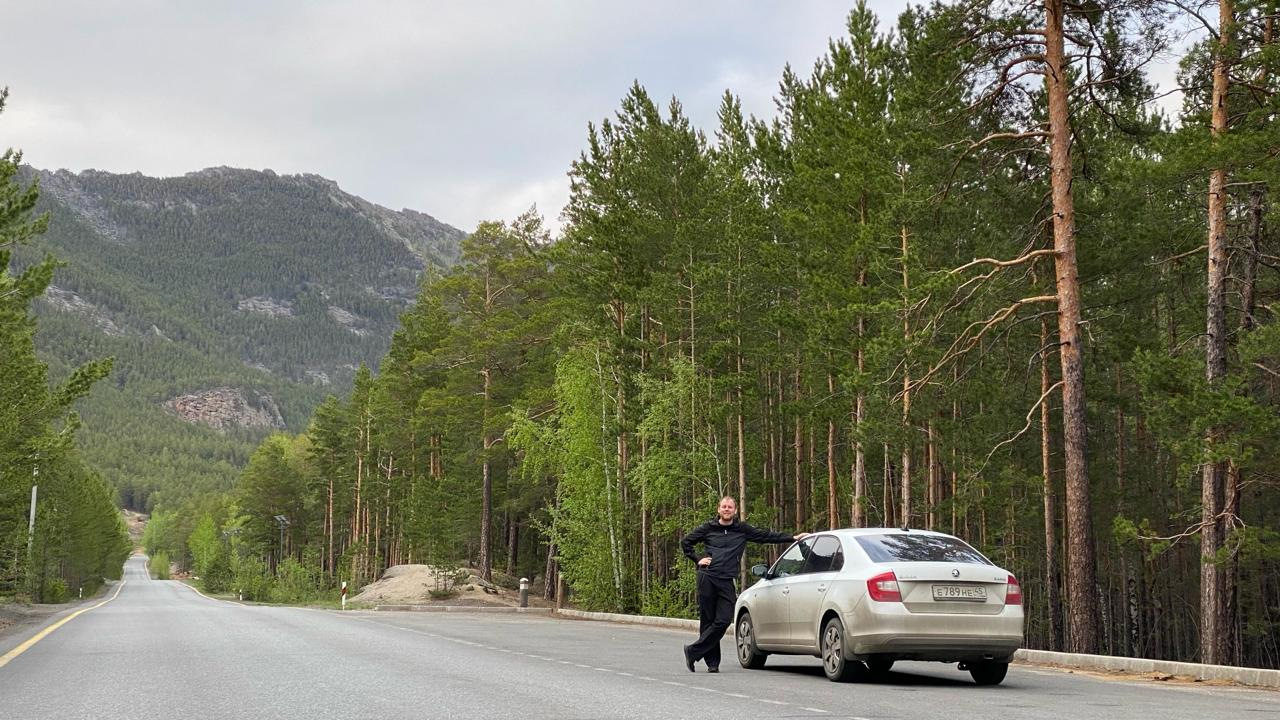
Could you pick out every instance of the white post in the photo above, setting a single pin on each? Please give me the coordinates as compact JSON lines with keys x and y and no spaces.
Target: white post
{"x":344,"y":594}
{"x":31,"y":524}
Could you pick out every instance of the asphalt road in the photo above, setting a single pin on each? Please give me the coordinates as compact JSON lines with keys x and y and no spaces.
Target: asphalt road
{"x":160,"y":650}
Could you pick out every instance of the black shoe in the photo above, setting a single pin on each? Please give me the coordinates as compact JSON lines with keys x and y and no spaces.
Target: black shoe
{"x":713,"y":669}
{"x":688,"y":659}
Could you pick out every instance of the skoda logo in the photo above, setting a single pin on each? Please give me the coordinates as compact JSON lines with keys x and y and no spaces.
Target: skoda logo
{"x":955,"y":573}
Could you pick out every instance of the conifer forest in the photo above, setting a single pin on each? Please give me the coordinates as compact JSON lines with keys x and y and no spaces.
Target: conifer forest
{"x":974,"y":275}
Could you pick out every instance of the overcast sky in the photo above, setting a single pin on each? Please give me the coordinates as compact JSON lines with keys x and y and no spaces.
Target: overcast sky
{"x":464,"y":110}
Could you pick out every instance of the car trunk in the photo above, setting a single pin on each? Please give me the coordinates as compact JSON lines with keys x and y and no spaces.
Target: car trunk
{"x":951,"y":588}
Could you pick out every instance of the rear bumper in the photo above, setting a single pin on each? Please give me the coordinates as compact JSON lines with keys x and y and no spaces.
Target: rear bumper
{"x":935,"y":647}
{"x":890,"y":632}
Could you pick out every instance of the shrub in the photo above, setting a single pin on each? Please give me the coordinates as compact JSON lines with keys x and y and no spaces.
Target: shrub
{"x":54,"y":591}
{"x":251,"y":578}
{"x":295,"y":583}
{"x":159,"y":565}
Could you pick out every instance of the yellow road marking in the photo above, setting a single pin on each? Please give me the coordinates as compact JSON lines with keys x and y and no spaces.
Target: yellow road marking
{"x":4,"y":659}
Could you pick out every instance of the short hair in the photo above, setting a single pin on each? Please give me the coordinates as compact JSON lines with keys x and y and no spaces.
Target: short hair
{"x":728,"y":497}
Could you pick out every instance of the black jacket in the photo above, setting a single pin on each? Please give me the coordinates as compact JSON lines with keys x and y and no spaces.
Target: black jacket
{"x":724,"y":544}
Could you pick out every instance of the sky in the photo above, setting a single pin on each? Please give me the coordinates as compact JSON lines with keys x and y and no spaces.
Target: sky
{"x":467,"y":111}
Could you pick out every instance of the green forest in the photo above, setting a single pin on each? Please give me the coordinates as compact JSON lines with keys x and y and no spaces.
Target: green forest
{"x":970,"y":277}
{"x":78,"y":538}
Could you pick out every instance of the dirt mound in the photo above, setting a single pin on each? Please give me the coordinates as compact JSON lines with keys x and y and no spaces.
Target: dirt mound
{"x":136,"y":523}
{"x":424,"y":585}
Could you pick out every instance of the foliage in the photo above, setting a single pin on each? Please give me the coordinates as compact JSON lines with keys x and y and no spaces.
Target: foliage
{"x":158,"y":565}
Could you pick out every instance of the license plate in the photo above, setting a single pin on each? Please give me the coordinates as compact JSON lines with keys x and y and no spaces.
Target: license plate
{"x":972,"y":593}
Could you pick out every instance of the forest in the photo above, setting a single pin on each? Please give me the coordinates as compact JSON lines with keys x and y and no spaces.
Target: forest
{"x":75,"y":539}
{"x":970,"y":277}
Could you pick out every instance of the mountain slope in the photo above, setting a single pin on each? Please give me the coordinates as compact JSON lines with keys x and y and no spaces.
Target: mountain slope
{"x":233,"y":301}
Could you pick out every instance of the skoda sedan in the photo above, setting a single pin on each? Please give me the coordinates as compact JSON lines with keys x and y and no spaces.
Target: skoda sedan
{"x":864,"y":598}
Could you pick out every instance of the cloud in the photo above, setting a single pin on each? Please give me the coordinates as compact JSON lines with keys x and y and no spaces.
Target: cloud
{"x":466,"y":111}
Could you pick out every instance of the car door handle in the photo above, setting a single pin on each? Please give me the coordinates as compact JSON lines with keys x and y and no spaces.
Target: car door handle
{"x":822,"y":586}
{"x":786,"y":591}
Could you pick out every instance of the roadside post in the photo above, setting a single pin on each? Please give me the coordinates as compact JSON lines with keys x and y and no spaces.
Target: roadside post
{"x":344,"y":594}
{"x":524,"y":592}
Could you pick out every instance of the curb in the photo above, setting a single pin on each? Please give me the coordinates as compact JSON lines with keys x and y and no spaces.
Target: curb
{"x":464,"y":609}
{"x":651,"y":620}
{"x":1243,"y":675}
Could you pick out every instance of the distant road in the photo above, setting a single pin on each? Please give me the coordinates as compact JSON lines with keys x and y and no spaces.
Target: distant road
{"x":160,"y":650}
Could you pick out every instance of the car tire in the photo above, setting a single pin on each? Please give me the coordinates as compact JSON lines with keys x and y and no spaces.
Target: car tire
{"x":749,"y":654}
{"x":879,"y":666}
{"x":988,"y":673}
{"x":835,"y":665}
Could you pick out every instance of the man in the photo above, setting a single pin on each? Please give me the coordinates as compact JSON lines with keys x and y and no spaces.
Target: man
{"x":724,"y":538}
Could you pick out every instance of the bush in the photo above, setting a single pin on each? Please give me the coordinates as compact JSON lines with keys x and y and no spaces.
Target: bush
{"x":54,"y":591}
{"x":295,"y":583}
{"x":216,"y":576}
{"x":251,"y":578}
{"x":159,"y":565}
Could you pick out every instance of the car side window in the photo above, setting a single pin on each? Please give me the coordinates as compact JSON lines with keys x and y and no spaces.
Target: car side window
{"x":792,"y":561}
{"x":823,"y":557}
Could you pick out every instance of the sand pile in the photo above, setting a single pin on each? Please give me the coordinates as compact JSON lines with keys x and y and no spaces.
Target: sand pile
{"x":413,"y":585}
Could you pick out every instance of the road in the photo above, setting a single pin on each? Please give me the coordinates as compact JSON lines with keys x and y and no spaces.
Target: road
{"x":161,"y":650}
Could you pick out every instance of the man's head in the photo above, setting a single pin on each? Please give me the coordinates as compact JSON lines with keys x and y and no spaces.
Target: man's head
{"x":727,"y":510}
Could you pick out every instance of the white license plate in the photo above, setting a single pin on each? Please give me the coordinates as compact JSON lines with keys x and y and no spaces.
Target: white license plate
{"x":973,"y":593}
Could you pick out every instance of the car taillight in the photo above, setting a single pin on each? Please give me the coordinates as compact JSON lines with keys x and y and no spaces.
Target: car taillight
{"x":1013,"y":594}
{"x":884,"y":588}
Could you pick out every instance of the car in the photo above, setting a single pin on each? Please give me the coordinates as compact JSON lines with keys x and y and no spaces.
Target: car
{"x":863,"y":598}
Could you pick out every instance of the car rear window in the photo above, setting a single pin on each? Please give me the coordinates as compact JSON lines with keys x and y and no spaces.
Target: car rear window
{"x":919,"y":548}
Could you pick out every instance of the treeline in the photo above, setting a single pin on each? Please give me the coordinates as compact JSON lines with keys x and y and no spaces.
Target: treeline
{"x":79,"y":537}
{"x":969,"y":279}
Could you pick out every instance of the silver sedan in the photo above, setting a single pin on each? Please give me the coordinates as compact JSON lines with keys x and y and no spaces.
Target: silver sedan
{"x":861,"y":599}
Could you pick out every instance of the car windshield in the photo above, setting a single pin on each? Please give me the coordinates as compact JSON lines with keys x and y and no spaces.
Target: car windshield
{"x":919,"y":548}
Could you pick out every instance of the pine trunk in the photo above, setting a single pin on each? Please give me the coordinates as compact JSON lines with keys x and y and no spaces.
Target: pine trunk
{"x":1082,"y":628}
{"x":1213,"y":630}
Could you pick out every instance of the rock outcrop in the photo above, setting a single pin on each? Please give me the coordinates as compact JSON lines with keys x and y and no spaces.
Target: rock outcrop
{"x":226,"y":407}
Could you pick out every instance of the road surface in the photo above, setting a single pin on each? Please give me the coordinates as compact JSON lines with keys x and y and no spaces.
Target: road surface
{"x":161,"y":650}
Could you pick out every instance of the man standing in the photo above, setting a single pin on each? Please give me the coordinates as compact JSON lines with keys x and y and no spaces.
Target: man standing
{"x":724,"y":538}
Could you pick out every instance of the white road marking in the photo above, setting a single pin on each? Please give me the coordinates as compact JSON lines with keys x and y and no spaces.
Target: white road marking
{"x":644,"y":678}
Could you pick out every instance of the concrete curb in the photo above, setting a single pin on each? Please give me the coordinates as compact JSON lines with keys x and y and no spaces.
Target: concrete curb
{"x":1243,"y":675}
{"x":464,"y":609}
{"x":651,"y":620}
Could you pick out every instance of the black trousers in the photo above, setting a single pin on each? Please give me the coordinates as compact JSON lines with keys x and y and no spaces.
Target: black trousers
{"x":716,"y":597}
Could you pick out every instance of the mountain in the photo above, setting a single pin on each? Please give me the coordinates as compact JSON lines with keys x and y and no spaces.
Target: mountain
{"x":233,"y":301}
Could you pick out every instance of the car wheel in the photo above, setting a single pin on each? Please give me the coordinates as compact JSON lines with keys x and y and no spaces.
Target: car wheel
{"x":837,"y":667}
{"x":988,"y":673}
{"x":879,"y":666}
{"x":749,"y":655}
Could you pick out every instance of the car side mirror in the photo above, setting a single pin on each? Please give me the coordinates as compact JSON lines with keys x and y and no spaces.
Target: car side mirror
{"x":761,"y":571}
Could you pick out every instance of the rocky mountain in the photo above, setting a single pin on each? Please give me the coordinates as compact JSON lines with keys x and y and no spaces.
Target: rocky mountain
{"x":233,"y":301}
